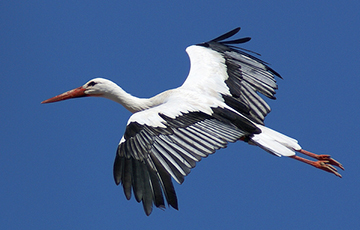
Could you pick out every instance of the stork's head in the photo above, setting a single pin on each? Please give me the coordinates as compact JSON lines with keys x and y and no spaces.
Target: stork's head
{"x":95,"y":87}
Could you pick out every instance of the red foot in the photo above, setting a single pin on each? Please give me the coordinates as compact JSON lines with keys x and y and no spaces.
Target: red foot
{"x":329,"y":160}
{"x":325,"y":162}
{"x":326,"y":166}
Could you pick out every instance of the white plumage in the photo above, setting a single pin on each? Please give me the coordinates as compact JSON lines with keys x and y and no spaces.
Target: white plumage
{"x":218,"y":103}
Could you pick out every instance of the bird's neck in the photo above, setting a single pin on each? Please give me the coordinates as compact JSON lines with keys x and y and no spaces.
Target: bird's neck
{"x":131,"y":103}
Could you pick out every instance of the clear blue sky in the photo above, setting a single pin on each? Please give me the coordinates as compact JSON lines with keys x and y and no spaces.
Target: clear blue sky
{"x":56,"y":159}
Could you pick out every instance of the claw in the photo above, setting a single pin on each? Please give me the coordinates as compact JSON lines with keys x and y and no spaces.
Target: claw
{"x":326,"y":166}
{"x":330,"y":160}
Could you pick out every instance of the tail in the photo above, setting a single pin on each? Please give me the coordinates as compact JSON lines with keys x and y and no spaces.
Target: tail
{"x":275,"y":142}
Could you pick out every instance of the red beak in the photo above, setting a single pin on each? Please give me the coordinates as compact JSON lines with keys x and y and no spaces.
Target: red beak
{"x":78,"y":92}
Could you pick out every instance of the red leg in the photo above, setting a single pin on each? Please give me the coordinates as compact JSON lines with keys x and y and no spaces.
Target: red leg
{"x":322,"y":157}
{"x":325,"y":162}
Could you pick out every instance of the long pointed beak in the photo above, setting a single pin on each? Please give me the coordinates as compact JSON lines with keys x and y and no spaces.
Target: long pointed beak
{"x":78,"y":92}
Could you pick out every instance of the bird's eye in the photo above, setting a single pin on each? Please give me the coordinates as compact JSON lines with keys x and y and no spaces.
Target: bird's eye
{"x":92,"y":83}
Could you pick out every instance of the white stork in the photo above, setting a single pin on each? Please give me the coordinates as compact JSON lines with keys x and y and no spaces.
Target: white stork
{"x":217,"y":104}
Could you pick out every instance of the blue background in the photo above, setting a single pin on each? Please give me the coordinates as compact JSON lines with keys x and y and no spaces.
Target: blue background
{"x":56,"y":159}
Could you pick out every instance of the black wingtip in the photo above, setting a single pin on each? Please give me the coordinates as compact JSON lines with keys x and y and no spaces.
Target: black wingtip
{"x":117,"y":168}
{"x":237,"y":41}
{"x":226,"y":35}
{"x":274,"y":72}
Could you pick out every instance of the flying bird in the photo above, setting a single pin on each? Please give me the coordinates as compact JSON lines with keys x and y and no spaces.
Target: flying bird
{"x":218,"y":103}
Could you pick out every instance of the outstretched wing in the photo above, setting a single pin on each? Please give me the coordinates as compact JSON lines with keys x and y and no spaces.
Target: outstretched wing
{"x":217,"y":104}
{"x":148,"y":156}
{"x":219,"y":67}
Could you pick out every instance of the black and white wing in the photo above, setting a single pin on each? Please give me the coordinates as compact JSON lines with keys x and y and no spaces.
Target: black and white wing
{"x":233,"y":72}
{"x":217,"y":104}
{"x":149,"y":155}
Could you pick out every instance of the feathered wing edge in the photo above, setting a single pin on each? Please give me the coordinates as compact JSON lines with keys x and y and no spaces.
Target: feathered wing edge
{"x":228,"y":44}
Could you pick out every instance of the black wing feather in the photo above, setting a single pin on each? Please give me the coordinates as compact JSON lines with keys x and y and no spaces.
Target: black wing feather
{"x":226,"y":35}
